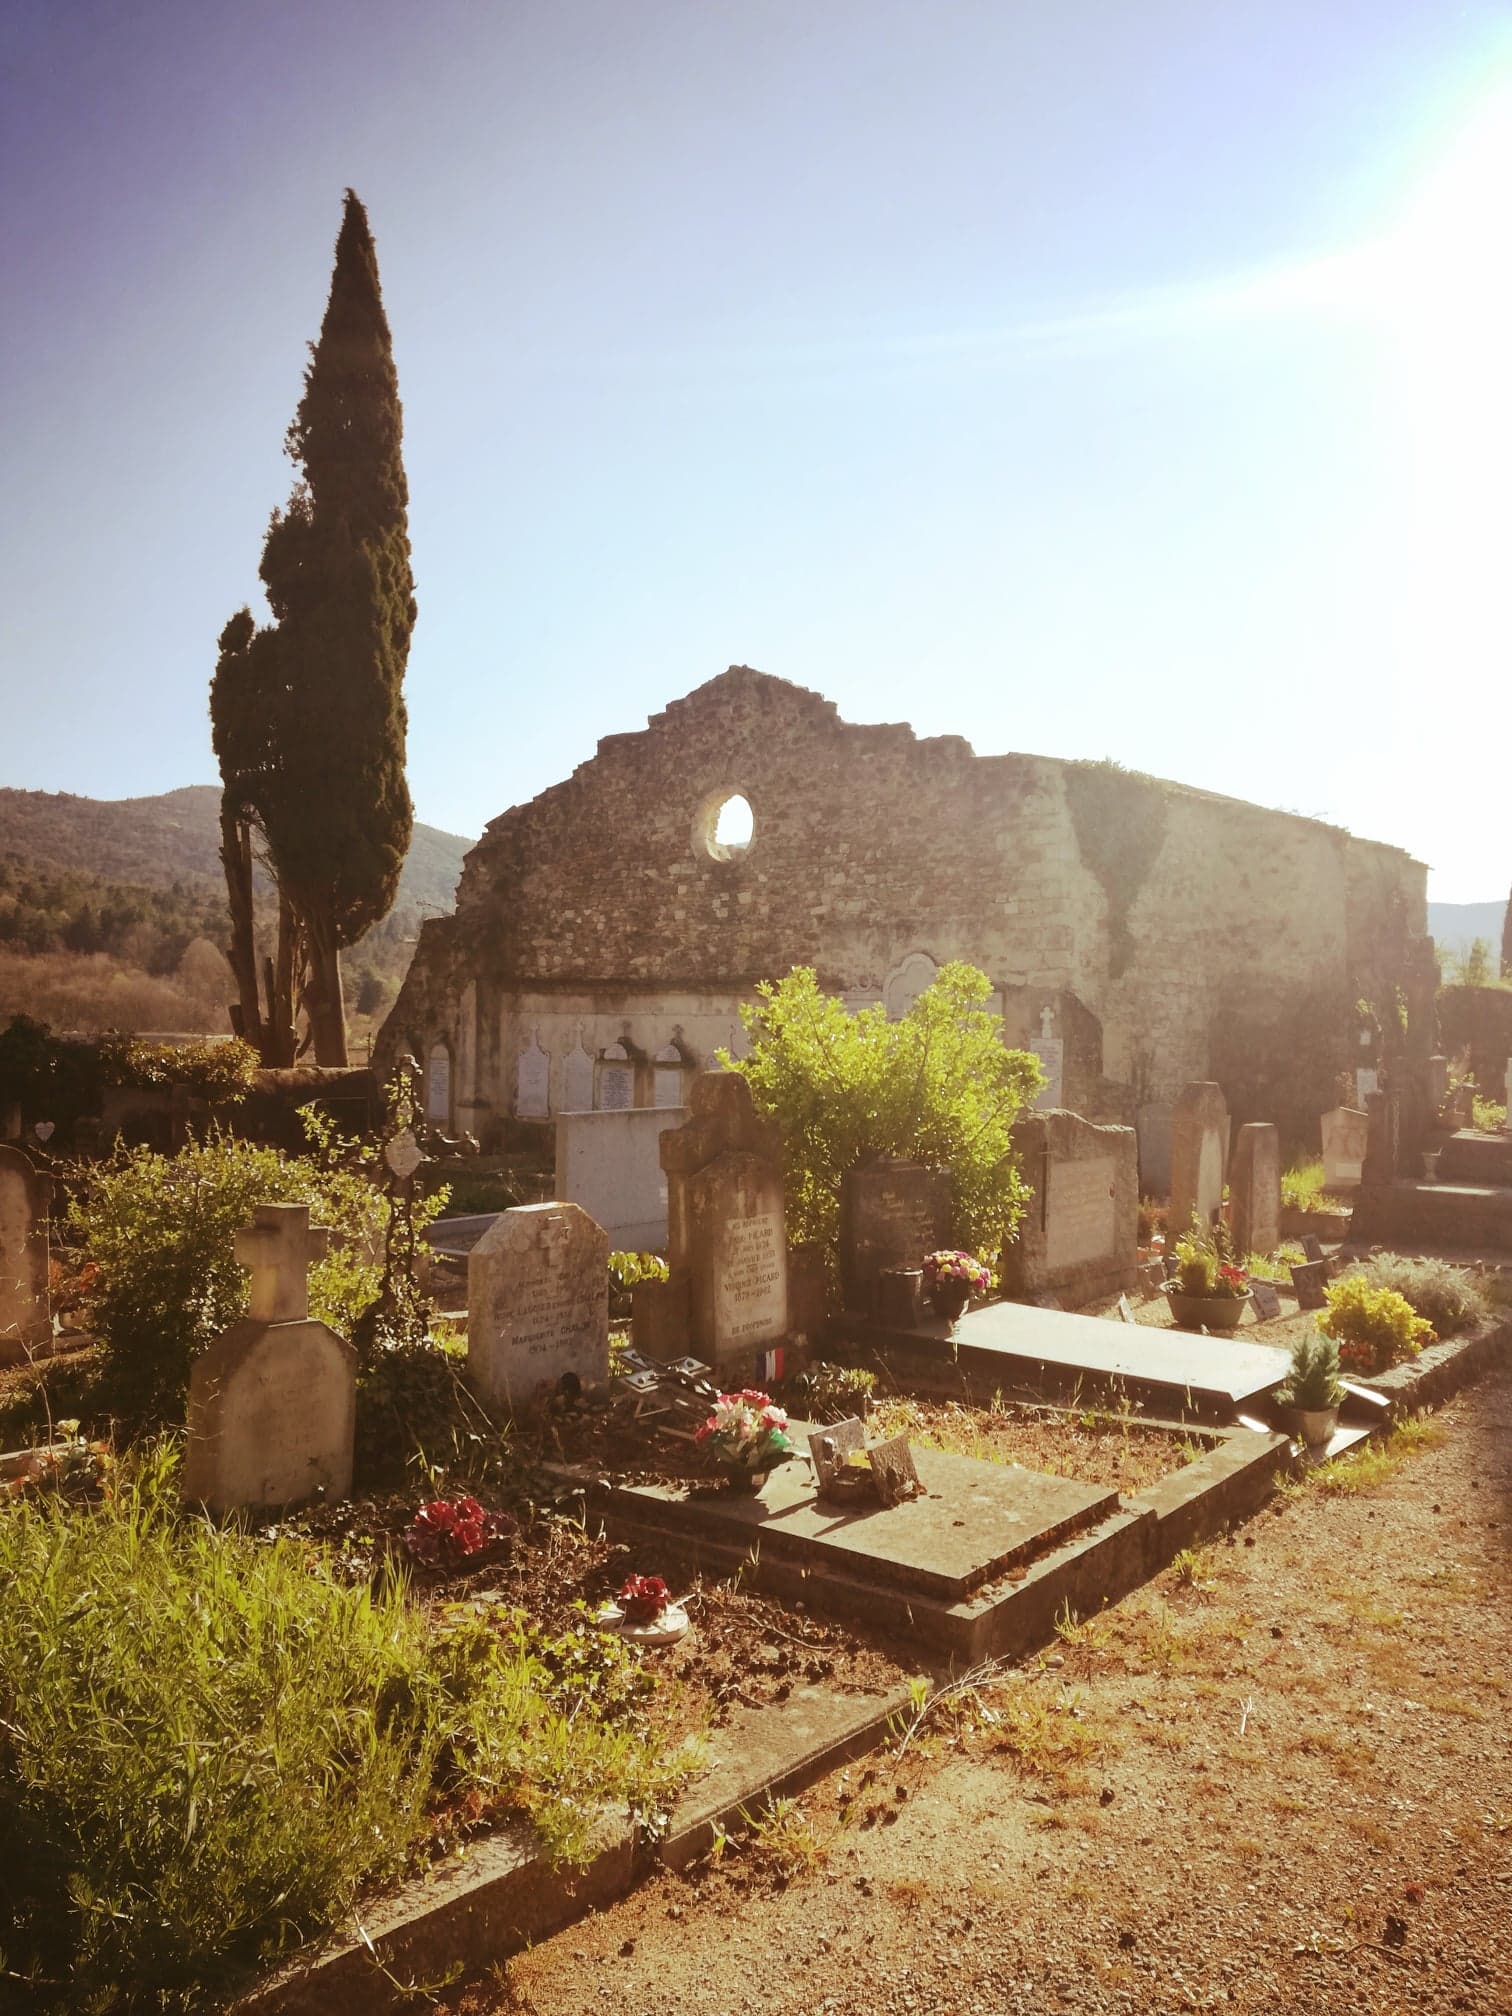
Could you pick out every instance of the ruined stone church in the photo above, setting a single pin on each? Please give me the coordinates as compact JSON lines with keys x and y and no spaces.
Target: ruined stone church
{"x":1139,"y":934}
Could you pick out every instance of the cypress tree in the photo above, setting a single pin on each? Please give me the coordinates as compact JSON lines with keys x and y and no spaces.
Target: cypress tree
{"x":309,"y":711}
{"x":1506,"y":953}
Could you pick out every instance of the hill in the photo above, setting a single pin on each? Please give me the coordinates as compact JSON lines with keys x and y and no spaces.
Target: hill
{"x":1454,"y":927}
{"x":112,"y":912}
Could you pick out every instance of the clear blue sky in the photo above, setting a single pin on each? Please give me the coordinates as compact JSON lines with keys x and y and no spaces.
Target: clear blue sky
{"x":1093,"y":378}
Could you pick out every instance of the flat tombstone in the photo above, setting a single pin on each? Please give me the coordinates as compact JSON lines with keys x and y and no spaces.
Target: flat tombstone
{"x":1255,"y":1188}
{"x":25,"y":1315}
{"x":272,"y":1403}
{"x":891,"y":1215}
{"x":1198,"y":1127}
{"x":538,"y":1305}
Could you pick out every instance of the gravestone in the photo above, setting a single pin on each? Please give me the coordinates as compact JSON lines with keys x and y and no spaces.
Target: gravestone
{"x":1312,"y":1246}
{"x":891,"y":1215}
{"x":1367,"y":1080}
{"x":1198,"y":1128}
{"x":1310,"y":1279}
{"x":533,"y":1081}
{"x":25,"y":1314}
{"x":577,"y":1080}
{"x":615,"y":1089}
{"x":1051,"y":1052}
{"x":1438,"y":1081}
{"x":1346,"y":1135}
{"x":438,"y":1086}
{"x":1382,"y":1139}
{"x":1265,"y":1300}
{"x":610,"y":1163}
{"x":538,"y":1306}
{"x":1255,"y":1188}
{"x":726,"y":1225}
{"x":1153,"y":1126}
{"x":669,"y":1077}
{"x":1079,"y":1235}
{"x":272,"y":1403}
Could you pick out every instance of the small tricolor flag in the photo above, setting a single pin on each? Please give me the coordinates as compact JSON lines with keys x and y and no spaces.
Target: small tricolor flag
{"x":769,"y":1365}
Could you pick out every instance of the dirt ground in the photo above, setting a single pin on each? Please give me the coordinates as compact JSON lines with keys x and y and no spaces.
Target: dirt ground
{"x":1278,"y":1779}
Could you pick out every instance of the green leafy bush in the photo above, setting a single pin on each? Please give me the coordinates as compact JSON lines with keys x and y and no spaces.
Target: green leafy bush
{"x":222,"y":1070}
{"x":1448,"y":1297}
{"x":625,"y":1269}
{"x":162,"y":1229}
{"x":937,"y":1086}
{"x":1302,"y":1189}
{"x":211,"y":1746}
{"x":1373,"y":1327}
{"x":1489,"y":1116}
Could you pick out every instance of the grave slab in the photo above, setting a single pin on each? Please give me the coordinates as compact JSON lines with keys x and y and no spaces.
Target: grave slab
{"x":1021,"y":1344}
{"x":976,"y":1521}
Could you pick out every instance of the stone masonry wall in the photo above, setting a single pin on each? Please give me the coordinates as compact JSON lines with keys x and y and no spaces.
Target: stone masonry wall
{"x":1200,"y":928}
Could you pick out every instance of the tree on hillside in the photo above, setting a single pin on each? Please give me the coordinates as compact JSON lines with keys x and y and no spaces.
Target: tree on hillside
{"x":1506,"y":949}
{"x":308,"y":711}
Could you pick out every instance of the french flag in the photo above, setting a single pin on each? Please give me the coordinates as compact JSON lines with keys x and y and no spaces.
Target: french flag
{"x":769,"y":1365}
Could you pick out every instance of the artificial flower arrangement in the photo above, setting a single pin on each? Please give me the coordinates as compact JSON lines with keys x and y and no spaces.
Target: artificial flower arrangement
{"x":748,"y":1431}
{"x":950,"y":1264}
{"x":644,"y":1598}
{"x":451,"y":1532}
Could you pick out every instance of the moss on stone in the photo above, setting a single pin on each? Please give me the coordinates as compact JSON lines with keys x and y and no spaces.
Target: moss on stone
{"x":1120,"y":821}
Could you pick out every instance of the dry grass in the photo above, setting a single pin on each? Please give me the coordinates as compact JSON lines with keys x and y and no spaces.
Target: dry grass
{"x":1095,"y":1446}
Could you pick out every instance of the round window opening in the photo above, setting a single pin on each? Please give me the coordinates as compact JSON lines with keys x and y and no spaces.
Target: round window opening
{"x":724,"y":827}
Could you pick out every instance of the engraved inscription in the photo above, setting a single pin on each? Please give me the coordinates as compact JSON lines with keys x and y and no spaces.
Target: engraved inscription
{"x":1080,"y":1221}
{"x":751,"y":1287}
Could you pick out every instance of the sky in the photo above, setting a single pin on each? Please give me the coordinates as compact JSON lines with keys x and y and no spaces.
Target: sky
{"x":1091,"y":379}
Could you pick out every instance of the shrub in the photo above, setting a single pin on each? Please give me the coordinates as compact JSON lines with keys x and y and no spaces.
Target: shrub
{"x":1489,"y":1117}
{"x":937,"y":1086}
{"x":1302,"y":1189}
{"x":1313,"y":1382}
{"x":161,"y":1231}
{"x":1373,"y":1327}
{"x":221,"y":1071}
{"x":625,"y":1269}
{"x":211,"y":1745}
{"x":1448,"y":1297}
{"x":824,"y":1392}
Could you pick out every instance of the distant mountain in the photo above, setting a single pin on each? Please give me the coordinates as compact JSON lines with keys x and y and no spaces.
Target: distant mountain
{"x":1454,"y":927}
{"x":175,"y":839}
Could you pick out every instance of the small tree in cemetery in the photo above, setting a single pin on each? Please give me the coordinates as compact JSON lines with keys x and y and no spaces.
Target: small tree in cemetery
{"x":308,"y":712}
{"x":938,"y":1086}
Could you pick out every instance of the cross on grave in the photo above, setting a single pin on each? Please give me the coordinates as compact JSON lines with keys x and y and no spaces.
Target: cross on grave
{"x":1047,"y":1024}
{"x":278,"y":1249}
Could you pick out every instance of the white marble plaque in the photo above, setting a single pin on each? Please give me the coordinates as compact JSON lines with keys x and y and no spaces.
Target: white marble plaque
{"x":1080,"y":1224}
{"x":533,"y":1083}
{"x":616,"y":1088}
{"x":1366,"y":1082}
{"x":750,"y":1283}
{"x":577,"y":1081}
{"x":438,"y":1086}
{"x":1051,"y":1051}
{"x":667,"y":1085}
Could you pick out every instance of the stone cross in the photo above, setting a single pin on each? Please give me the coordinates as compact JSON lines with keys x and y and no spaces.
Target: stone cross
{"x":1047,"y":1023}
{"x":278,"y":1249}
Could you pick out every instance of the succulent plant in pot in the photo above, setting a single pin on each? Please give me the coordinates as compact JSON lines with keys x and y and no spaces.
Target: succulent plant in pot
{"x":1209,"y":1289}
{"x":1313,"y":1389}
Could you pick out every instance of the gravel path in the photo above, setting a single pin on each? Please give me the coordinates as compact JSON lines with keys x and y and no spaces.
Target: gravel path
{"x":1279,"y":1781}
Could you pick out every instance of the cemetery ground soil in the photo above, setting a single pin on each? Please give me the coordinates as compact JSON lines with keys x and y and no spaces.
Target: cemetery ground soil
{"x":1282,"y":1782}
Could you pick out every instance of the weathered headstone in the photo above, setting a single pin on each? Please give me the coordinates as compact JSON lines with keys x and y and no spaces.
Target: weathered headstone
{"x":272,"y":1403}
{"x":1051,"y":1052}
{"x":1383,"y":1139}
{"x":1265,"y":1300}
{"x":1197,"y":1134}
{"x":1153,"y":1125}
{"x":1310,"y":1279}
{"x":577,"y":1078}
{"x":438,"y":1086}
{"x":726,"y":1223}
{"x":1312,"y":1246}
{"x":25,"y":1315}
{"x":1255,"y":1188}
{"x":1346,"y":1134}
{"x":1438,"y":1081}
{"x":1367,"y":1080}
{"x":533,"y":1081}
{"x":616,"y":1079}
{"x":891,"y":1215}
{"x":538,"y":1306}
{"x":1079,"y":1234}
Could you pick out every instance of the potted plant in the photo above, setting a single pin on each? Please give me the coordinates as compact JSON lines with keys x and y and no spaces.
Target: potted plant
{"x":951,"y":1278}
{"x":1313,"y":1390}
{"x":747,"y":1435}
{"x":1209,"y":1289}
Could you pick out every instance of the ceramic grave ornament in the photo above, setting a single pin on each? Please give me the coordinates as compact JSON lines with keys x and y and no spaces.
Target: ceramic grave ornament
{"x":272,"y":1403}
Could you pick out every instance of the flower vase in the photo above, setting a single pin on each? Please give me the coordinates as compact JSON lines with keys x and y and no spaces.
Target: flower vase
{"x":1206,"y":1312}
{"x":949,"y":1299}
